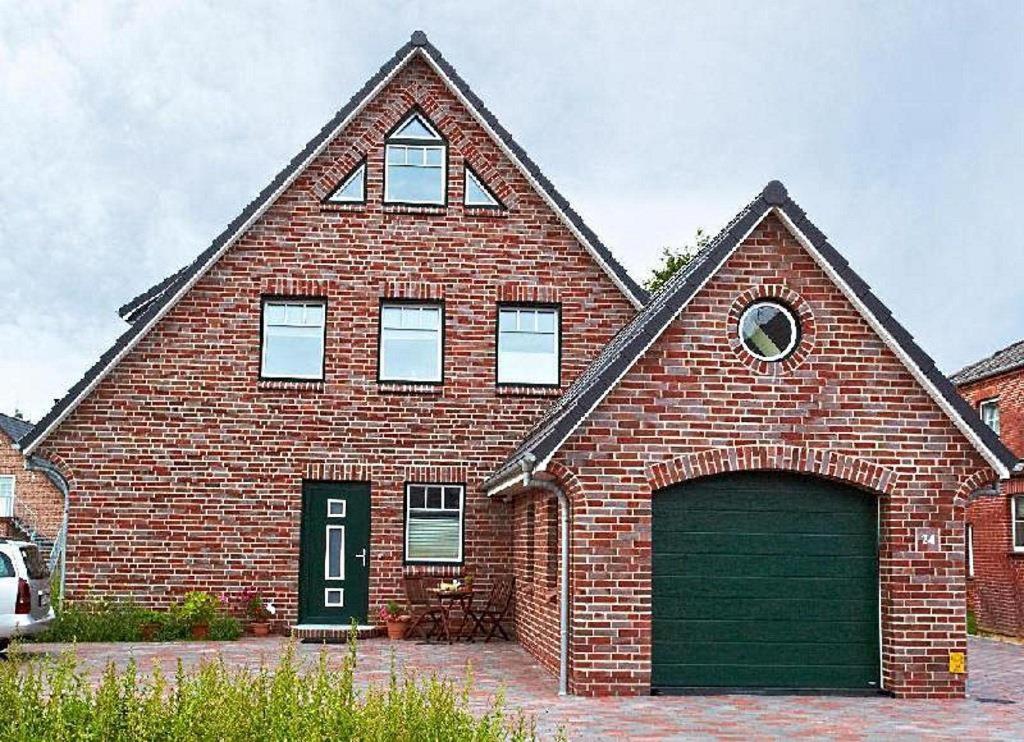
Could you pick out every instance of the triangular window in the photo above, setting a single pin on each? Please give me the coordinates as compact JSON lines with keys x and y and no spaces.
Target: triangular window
{"x":476,"y":193}
{"x":415,"y":127}
{"x":352,"y":189}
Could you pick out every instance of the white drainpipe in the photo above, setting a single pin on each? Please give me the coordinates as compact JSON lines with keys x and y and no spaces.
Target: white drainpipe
{"x":563,"y":521}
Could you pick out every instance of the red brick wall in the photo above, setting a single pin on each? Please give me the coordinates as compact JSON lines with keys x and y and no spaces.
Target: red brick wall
{"x":996,"y":592}
{"x":536,"y":570}
{"x":186,"y":469}
{"x":37,"y":501}
{"x":695,"y":404}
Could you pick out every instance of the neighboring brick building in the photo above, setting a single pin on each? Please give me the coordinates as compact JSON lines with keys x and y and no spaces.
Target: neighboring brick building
{"x":410,"y":353}
{"x":31,"y":506}
{"x":994,"y":386}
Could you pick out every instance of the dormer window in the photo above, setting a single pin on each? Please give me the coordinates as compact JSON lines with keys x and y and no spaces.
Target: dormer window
{"x":989,"y":411}
{"x":352,"y":188}
{"x":416,"y":169}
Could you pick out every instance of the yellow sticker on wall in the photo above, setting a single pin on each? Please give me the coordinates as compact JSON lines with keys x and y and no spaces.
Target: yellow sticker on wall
{"x":957,"y":663}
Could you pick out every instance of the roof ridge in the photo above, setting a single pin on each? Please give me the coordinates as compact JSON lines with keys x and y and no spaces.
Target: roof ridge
{"x":145,"y":308}
{"x":988,"y":366}
{"x":626,"y":347}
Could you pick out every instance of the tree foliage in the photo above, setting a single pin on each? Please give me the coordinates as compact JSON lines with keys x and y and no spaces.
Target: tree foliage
{"x":675,"y":259}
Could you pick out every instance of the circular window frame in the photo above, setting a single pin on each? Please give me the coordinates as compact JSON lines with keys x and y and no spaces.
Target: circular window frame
{"x":794,"y":326}
{"x":802,"y":312}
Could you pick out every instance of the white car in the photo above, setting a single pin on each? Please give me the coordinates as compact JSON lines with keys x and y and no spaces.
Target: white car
{"x":24,"y":591}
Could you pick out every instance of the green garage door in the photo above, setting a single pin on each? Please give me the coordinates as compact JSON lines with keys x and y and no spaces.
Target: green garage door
{"x":765,"y":580}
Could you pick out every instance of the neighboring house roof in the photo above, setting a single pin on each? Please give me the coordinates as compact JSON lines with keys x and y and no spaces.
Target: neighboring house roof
{"x":13,"y":427}
{"x":148,"y":308}
{"x":619,"y":355}
{"x":1007,"y":359}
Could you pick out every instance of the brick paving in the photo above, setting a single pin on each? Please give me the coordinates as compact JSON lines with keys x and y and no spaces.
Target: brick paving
{"x":994,"y":709}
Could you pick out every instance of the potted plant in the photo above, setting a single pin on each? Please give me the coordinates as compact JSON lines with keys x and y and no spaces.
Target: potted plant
{"x":196,"y":612}
{"x":392,"y":615}
{"x":258,"y":612}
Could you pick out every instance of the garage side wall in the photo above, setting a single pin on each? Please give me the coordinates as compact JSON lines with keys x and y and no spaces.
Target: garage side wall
{"x":695,"y":393}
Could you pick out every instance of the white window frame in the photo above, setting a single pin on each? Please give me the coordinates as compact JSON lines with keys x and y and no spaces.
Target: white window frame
{"x":327,"y":553}
{"x":990,"y":404}
{"x":337,"y":198}
{"x":534,"y":308}
{"x":381,"y":357}
{"x":970,"y":550}
{"x":491,"y":203}
{"x":7,"y":503}
{"x":794,"y":329}
{"x":462,"y":521}
{"x":419,"y":144}
{"x":1016,"y":520}
{"x":289,"y":302}
{"x":341,"y":594}
{"x":344,"y":508}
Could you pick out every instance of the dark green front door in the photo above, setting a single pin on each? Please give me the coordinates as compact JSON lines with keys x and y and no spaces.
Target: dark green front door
{"x":334,"y":564}
{"x":765,"y":580}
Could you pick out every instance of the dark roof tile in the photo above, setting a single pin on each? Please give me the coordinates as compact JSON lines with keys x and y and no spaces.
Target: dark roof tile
{"x":1008,"y":359}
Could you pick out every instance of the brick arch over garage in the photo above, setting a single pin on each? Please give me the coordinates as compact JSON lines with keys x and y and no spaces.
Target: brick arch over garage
{"x":815,"y":461}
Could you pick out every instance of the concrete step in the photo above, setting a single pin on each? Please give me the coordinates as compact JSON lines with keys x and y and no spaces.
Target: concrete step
{"x":330,"y":633}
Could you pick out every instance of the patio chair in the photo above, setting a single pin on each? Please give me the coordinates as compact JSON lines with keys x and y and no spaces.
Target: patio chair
{"x":499,"y":605}
{"x":421,"y":607}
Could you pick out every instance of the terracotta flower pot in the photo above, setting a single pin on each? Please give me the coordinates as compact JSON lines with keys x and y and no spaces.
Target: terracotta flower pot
{"x":396,"y":629}
{"x":259,"y":628}
{"x":200,"y":631}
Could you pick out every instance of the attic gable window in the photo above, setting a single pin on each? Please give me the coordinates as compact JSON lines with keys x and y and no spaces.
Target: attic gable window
{"x":989,"y":411}
{"x":416,"y":168}
{"x":476,"y":193}
{"x":352,"y":189}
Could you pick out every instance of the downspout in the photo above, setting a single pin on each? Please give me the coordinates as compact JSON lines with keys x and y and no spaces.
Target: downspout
{"x":563,"y":522}
{"x":37,"y":463}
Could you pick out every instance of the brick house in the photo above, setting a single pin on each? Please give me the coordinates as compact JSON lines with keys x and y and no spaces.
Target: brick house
{"x":31,"y":505}
{"x":994,"y":387}
{"x":409,"y":353}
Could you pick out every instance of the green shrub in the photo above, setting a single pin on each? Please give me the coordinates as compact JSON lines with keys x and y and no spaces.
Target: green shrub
{"x":103,"y":621}
{"x":972,"y":623}
{"x":52,"y":699}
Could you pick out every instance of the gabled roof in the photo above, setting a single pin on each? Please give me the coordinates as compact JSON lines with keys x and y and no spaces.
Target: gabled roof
{"x":145,"y":310}
{"x":1007,"y":359}
{"x":14,"y":428}
{"x":623,"y":350}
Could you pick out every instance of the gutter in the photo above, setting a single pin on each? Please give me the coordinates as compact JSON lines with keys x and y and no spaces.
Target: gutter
{"x":563,"y":522}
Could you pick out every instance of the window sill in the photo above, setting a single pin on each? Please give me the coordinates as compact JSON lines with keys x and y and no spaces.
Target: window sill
{"x":414,"y":209}
{"x":400,"y":387}
{"x":315,"y":385}
{"x":354,"y":206}
{"x":527,"y":390}
{"x":486,"y":211}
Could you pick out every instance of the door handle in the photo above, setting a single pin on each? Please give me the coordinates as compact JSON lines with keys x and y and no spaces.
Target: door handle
{"x":361,"y":556}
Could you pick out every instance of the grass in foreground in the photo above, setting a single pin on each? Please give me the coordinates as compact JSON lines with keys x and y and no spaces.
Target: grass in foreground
{"x":53,"y":700}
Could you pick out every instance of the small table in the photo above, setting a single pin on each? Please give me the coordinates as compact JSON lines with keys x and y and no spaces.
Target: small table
{"x":448,"y":599}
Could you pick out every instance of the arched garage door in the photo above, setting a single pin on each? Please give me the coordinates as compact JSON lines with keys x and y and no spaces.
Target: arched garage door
{"x":765,"y":580}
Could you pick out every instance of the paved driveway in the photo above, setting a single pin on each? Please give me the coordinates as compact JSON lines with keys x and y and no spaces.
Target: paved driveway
{"x":995,"y":708}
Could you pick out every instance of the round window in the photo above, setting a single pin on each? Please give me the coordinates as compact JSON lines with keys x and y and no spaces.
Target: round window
{"x":769,"y":331}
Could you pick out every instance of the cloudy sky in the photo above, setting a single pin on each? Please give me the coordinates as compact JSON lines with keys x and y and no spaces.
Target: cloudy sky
{"x":132,"y":133}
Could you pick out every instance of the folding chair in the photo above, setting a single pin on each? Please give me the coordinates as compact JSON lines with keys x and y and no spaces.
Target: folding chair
{"x":499,"y":604}
{"x":421,"y":607}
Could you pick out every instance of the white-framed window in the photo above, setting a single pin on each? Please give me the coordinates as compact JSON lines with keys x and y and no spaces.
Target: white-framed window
{"x":433,"y":523}
{"x":411,"y":342}
{"x":970,"y":550}
{"x":1017,"y":511}
{"x":769,"y":330}
{"x":6,"y":496}
{"x":334,"y":554}
{"x":352,"y":189}
{"x":989,"y":411}
{"x":336,"y":508}
{"x":475,"y":193}
{"x":528,"y":345}
{"x":334,"y":597}
{"x":415,"y":164}
{"x":293,"y":339}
